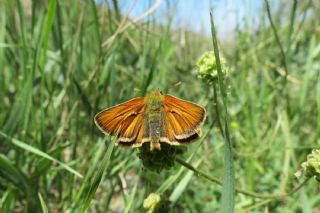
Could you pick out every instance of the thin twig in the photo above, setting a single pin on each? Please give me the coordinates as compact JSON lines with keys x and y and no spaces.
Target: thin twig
{"x":125,"y":24}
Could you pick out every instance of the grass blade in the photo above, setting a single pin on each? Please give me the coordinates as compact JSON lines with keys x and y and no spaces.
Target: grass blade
{"x":7,"y":201}
{"x":85,"y":183}
{"x":228,"y":189}
{"x":40,"y":153}
{"x":47,"y":30}
{"x":182,"y":185}
{"x":132,"y":195}
{"x":43,"y":204}
{"x":13,"y":174}
{"x":95,"y":17}
{"x":98,"y":177}
{"x":173,"y":178}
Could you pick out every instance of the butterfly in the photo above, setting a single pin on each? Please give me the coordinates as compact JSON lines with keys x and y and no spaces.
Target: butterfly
{"x":154,"y":119}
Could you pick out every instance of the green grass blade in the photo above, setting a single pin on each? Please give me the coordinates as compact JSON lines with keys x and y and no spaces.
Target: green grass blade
{"x":152,"y":69}
{"x":40,"y":153}
{"x":97,"y":179}
{"x":182,"y":185}
{"x":2,"y":36}
{"x":308,"y":73}
{"x":47,"y":30}
{"x":43,"y":204}
{"x":228,"y":189}
{"x":13,"y":174}
{"x":95,"y":17}
{"x":276,"y":35}
{"x":291,"y":25}
{"x":132,"y":195}
{"x":8,"y":199}
{"x":173,"y":178}
{"x":85,"y":184}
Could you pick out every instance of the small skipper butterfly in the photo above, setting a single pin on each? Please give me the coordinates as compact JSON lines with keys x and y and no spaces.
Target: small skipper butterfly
{"x":155,"y":119}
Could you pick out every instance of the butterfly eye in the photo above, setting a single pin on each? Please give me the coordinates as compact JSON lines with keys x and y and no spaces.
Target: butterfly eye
{"x":161,"y":92}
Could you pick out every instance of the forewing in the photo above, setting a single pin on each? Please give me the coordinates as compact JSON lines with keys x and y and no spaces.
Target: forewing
{"x":124,"y":119}
{"x":182,"y":119}
{"x":144,"y":134}
{"x":130,"y":131}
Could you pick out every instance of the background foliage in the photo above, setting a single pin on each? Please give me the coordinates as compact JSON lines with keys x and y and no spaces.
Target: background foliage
{"x":63,"y":61}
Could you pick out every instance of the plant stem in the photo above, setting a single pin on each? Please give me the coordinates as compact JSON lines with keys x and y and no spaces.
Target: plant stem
{"x":239,"y":190}
{"x":283,"y":55}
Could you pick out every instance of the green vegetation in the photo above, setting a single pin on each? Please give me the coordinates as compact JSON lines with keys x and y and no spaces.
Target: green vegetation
{"x":61,"y":62}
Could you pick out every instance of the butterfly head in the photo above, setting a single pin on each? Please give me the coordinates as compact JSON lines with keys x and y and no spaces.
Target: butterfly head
{"x":154,"y":97}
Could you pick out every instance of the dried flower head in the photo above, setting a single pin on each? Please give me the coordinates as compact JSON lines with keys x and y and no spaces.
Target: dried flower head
{"x":311,"y":167}
{"x":161,"y":159}
{"x":207,"y":67}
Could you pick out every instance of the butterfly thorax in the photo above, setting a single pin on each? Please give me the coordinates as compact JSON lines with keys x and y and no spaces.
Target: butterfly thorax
{"x":153,"y":116}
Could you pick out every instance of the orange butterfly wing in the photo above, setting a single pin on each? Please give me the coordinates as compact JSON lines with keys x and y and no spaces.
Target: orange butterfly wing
{"x":124,"y":120}
{"x":182,"y":120}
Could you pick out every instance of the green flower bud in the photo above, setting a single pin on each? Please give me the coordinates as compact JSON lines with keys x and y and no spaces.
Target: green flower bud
{"x":155,"y":203}
{"x":207,"y":67}
{"x":311,"y":167}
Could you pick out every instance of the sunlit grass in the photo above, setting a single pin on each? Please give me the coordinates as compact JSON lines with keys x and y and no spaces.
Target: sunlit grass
{"x":61,"y":62}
